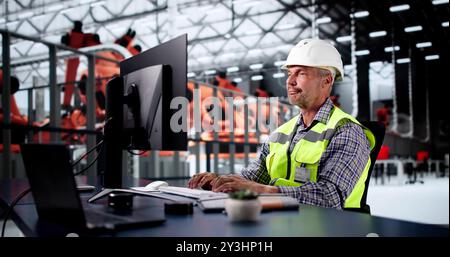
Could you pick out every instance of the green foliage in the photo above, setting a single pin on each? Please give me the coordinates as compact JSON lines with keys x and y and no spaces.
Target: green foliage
{"x":243,"y":195}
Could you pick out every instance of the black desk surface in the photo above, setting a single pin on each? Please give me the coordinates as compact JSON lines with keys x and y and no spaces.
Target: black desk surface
{"x":307,"y":221}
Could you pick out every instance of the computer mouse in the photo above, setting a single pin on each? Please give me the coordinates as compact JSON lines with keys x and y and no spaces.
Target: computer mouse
{"x":155,"y":185}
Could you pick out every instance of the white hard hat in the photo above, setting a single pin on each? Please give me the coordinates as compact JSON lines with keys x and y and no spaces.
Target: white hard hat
{"x":316,"y":53}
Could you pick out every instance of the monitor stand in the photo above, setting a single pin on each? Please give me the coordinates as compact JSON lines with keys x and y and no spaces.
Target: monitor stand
{"x":112,"y":175}
{"x":106,"y":191}
{"x":113,"y":147}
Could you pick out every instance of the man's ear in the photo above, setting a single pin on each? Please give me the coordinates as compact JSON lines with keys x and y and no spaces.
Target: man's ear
{"x":330,"y":79}
{"x":327,"y":81}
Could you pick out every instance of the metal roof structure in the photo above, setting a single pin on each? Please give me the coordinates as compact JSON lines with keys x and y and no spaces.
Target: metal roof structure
{"x":240,"y":33}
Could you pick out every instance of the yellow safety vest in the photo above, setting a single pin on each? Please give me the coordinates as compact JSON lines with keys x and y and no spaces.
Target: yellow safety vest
{"x":301,"y":165}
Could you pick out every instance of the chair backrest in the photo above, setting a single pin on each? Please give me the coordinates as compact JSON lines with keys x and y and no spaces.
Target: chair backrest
{"x":423,"y":156}
{"x":378,"y":129}
{"x":384,"y":153}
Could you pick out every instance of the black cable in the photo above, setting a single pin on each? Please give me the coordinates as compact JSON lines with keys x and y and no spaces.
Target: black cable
{"x":93,"y":148}
{"x":10,"y":208}
{"x":88,"y":152}
{"x":90,"y":164}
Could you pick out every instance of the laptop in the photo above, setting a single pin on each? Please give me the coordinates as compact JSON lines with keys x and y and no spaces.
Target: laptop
{"x":57,"y":200}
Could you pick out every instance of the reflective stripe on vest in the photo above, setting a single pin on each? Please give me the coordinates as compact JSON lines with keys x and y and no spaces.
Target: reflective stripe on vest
{"x":307,"y":152}
{"x":278,"y":138}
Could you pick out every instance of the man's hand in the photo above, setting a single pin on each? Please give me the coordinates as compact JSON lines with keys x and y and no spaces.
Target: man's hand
{"x":202,"y":180}
{"x":231,"y":183}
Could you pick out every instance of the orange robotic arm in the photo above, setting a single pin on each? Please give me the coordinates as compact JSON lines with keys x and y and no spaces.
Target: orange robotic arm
{"x":74,"y":39}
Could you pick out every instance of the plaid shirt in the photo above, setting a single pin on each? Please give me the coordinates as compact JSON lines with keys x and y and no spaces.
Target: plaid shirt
{"x":340,"y":165}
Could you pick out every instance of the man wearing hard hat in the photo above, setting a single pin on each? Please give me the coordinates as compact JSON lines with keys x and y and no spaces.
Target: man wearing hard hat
{"x":320,"y":157}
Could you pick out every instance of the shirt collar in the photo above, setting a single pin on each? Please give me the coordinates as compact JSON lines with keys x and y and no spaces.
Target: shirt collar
{"x":323,"y":115}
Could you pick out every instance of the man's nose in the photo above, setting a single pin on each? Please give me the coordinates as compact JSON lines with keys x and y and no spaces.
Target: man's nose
{"x":291,"y":81}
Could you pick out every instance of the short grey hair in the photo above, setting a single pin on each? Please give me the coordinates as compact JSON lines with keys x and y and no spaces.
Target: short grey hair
{"x":323,"y":72}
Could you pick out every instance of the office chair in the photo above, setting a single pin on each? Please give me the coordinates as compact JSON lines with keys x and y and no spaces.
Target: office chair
{"x":378,"y":129}
{"x":421,"y":166}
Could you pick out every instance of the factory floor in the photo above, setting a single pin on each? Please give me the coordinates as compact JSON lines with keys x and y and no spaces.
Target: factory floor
{"x":424,"y":203}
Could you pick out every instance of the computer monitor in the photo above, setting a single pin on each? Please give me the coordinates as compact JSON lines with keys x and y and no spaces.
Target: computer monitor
{"x":138,"y":112}
{"x":163,"y":70}
{"x":146,"y":117}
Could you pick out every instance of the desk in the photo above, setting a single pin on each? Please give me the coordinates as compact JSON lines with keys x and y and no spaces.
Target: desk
{"x":307,"y":221}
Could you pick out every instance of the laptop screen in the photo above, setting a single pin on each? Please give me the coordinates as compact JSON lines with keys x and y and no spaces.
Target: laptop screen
{"x":52,"y":183}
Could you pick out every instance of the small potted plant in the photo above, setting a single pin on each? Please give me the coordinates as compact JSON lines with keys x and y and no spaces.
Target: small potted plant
{"x":243,"y":206}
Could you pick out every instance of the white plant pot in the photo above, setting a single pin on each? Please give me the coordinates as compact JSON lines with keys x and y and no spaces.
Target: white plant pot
{"x":243,"y":210}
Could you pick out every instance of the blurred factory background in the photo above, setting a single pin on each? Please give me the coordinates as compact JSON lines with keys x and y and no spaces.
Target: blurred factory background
{"x":395,"y":54}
